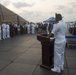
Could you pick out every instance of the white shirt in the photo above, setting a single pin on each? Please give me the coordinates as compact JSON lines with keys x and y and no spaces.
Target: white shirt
{"x":59,"y":31}
{"x":15,"y":25}
{"x":3,"y":26}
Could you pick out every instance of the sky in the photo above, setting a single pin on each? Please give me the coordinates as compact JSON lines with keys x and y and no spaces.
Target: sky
{"x":40,"y":10}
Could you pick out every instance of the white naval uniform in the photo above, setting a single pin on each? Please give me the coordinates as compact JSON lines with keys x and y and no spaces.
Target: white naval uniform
{"x":28,"y":28}
{"x":7,"y":31}
{"x":59,"y":31}
{"x":4,"y":30}
{"x":33,"y":28}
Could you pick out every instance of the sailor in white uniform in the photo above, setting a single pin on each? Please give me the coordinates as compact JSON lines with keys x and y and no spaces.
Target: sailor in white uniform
{"x":7,"y":31}
{"x":59,"y":30}
{"x":33,"y":28}
{"x":4,"y":30}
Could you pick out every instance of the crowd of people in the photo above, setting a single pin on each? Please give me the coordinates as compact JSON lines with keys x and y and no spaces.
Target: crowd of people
{"x":72,"y":28}
{"x":8,"y":30}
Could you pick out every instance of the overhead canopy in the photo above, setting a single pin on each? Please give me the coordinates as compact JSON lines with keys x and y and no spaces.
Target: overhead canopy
{"x":51,"y":19}
{"x":7,"y":15}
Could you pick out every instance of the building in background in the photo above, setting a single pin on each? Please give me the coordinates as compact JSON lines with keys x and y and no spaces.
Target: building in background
{"x":7,"y":15}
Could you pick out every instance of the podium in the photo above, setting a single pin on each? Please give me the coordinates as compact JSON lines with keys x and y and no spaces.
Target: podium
{"x":47,"y":50}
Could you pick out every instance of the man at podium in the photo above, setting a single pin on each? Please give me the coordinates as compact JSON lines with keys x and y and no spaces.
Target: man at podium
{"x":59,"y":31}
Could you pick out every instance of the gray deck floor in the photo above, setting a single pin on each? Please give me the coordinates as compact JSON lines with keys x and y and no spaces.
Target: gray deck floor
{"x":21,"y":55}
